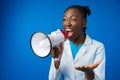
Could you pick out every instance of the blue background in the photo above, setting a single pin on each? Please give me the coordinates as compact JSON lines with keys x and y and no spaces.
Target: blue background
{"x":19,"y":19}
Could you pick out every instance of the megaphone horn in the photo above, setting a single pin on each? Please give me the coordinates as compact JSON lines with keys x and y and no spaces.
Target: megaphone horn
{"x":42,"y":44}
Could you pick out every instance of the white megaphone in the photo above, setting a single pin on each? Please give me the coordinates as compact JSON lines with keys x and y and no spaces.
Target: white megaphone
{"x":42,"y":44}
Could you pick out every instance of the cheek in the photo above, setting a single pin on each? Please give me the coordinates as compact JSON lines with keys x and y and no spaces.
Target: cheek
{"x":77,"y":27}
{"x":77,"y":30}
{"x":77,"y":23}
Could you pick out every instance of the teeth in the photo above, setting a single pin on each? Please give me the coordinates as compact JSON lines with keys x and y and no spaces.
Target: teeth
{"x":68,"y":30}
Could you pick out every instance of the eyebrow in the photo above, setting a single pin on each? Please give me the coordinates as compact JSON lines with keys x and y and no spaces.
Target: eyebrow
{"x":72,"y":16}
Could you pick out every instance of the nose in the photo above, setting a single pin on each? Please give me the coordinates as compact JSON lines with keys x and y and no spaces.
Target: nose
{"x":67,"y":23}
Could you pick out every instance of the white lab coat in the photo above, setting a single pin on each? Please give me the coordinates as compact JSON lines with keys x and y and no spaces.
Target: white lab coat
{"x":91,"y":52}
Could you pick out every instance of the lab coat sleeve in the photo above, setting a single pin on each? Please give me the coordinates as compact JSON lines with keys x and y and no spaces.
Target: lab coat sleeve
{"x":100,"y":56}
{"x":54,"y":74}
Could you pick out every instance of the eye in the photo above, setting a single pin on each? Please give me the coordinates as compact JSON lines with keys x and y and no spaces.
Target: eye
{"x":64,"y":19}
{"x":73,"y":19}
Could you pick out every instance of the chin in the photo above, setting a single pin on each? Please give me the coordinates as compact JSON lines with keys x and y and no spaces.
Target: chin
{"x":70,"y":38}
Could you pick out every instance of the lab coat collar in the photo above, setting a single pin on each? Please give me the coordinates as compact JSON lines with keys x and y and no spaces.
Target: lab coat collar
{"x":88,"y":40}
{"x":82,"y":50}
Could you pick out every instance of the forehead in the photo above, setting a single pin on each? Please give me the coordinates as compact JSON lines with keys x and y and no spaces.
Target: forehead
{"x":72,"y":11}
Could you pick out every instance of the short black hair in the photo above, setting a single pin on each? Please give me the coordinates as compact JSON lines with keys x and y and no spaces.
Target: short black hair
{"x":82,"y":9}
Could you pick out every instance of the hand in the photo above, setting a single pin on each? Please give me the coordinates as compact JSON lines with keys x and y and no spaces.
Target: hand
{"x":89,"y":73}
{"x":57,"y":51}
{"x":88,"y":67}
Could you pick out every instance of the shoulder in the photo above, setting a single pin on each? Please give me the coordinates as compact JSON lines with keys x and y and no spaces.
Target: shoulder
{"x":97,"y":42}
{"x":90,"y":41}
{"x":94,"y":42}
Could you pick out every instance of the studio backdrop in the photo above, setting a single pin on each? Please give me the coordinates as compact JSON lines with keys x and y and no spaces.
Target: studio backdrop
{"x":19,"y":19}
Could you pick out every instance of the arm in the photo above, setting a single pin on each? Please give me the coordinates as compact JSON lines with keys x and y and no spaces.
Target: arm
{"x":88,"y":70}
{"x":57,"y":54}
{"x":95,"y":71}
{"x":100,"y":70}
{"x":54,"y":74}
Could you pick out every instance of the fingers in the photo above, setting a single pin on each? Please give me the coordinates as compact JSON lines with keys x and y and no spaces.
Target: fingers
{"x":82,"y":68}
{"x":78,"y":67}
{"x":97,"y":63}
{"x":61,"y":48}
{"x":61,"y":45}
{"x":57,"y":51}
{"x":92,"y":66}
{"x":88,"y":67}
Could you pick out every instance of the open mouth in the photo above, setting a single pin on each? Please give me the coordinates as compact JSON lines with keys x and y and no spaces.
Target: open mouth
{"x":69,"y":32}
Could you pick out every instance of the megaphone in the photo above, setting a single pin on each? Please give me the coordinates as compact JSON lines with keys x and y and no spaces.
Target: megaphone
{"x":42,"y":43}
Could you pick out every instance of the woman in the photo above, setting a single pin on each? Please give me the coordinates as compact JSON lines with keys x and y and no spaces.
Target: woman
{"x":79,"y":57}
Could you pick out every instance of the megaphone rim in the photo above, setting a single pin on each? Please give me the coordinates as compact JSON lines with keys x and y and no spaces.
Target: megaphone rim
{"x":48,"y":39}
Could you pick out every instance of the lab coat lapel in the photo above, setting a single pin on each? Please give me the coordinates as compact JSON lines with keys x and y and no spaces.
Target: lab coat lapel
{"x":68,"y":50}
{"x":83,"y":49}
{"x":80,"y":53}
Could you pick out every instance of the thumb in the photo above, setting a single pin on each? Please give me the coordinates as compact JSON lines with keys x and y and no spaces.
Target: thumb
{"x":92,"y":66}
{"x":96,"y":64}
{"x":61,"y":45}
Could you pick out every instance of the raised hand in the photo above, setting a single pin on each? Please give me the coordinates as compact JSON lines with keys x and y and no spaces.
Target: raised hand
{"x":88,"y":69}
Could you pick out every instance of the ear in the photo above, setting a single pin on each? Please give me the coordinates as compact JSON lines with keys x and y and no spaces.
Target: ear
{"x":84,"y":23}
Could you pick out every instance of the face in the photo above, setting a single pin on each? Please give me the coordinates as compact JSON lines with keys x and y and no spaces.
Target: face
{"x":73,"y":23}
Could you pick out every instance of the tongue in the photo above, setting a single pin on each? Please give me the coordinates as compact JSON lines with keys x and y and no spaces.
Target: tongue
{"x":70,"y":34}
